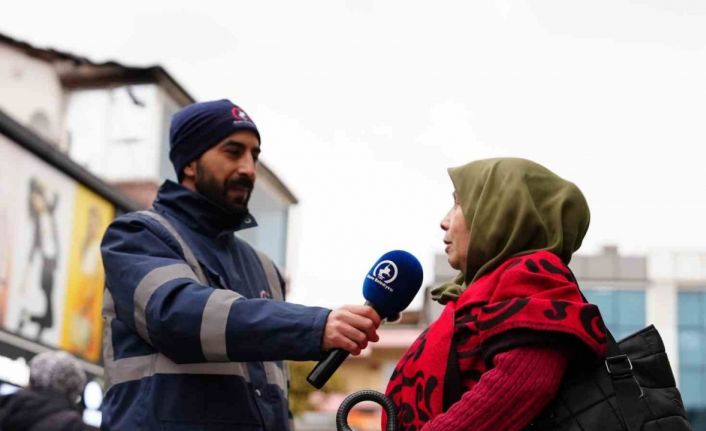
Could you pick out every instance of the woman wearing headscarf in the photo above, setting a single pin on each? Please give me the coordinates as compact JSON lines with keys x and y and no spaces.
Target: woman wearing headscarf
{"x":514,"y":318}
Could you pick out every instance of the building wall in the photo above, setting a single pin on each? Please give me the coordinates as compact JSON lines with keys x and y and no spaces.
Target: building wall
{"x":32,"y":94}
{"x":271,"y":210}
{"x":117,"y":132}
{"x":168,"y":108}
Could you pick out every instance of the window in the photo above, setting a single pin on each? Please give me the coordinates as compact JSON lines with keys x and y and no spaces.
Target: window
{"x":691,"y":315}
{"x":623,"y":311}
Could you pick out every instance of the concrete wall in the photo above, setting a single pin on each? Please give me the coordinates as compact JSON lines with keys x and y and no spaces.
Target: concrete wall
{"x":32,"y":94}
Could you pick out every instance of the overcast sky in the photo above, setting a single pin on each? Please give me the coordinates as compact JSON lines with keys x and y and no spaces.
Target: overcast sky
{"x":363,"y":104}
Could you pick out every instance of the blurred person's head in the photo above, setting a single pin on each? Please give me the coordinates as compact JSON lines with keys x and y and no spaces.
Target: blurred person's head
{"x":37,"y":198}
{"x":214,"y":149}
{"x":57,"y":372}
{"x":506,"y":207}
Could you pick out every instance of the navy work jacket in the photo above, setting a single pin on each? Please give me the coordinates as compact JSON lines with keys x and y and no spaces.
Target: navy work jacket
{"x":194,"y":333}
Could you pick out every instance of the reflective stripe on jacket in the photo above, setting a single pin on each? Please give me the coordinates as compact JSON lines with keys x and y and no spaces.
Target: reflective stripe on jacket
{"x":195,"y":325}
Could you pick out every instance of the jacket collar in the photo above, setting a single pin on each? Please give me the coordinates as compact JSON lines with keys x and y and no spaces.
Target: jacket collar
{"x":198,"y":212}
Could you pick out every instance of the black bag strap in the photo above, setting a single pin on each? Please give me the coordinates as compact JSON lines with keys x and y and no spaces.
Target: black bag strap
{"x":628,"y":392}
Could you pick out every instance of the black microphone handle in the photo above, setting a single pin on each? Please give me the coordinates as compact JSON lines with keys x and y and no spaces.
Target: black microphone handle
{"x":327,"y":366}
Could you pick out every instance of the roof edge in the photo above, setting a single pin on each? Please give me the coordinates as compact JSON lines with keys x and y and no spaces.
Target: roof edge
{"x":80,"y":72}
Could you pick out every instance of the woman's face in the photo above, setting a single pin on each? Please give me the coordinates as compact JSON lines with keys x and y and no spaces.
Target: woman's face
{"x":456,"y":236}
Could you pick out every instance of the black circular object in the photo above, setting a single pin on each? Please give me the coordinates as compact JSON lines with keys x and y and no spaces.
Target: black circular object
{"x":365,"y":395}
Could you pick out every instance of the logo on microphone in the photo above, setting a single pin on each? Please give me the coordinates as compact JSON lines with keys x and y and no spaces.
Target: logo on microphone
{"x":384,"y":273}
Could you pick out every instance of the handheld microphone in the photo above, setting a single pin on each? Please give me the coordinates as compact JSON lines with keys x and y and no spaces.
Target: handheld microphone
{"x":389,"y":287}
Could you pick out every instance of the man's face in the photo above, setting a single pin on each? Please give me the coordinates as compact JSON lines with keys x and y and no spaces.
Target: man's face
{"x":456,"y":236}
{"x":225,"y":173}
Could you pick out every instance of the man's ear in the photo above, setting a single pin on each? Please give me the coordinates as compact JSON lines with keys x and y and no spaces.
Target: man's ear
{"x":190,"y":170}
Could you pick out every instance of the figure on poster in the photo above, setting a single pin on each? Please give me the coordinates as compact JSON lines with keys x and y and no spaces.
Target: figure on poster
{"x":43,"y":255}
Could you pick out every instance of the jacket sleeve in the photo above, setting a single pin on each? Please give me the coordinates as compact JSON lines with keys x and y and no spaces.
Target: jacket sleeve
{"x":158,"y":296}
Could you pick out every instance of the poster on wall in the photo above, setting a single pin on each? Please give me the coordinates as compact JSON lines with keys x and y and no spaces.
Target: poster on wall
{"x":5,"y":248}
{"x":38,"y":201}
{"x":82,"y":324}
{"x":51,"y":277}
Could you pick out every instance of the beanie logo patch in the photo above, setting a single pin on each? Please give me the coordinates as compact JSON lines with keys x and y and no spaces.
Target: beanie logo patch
{"x":239,"y":114}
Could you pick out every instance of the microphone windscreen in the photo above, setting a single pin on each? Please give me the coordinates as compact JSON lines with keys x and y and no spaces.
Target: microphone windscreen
{"x":392,"y":283}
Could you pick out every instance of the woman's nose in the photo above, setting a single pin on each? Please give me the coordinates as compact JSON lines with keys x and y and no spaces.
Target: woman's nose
{"x":444,"y":223}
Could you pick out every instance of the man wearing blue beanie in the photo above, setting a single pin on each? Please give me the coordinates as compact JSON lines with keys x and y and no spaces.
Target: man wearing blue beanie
{"x":196,"y":327}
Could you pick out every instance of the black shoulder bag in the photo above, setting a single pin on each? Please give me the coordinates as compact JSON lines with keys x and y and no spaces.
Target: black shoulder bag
{"x":633,"y":389}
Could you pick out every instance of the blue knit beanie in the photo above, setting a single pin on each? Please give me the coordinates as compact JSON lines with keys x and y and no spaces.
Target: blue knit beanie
{"x":200,"y":126}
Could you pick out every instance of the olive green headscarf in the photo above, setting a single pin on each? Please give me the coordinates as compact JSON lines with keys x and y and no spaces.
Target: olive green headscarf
{"x":512,"y":207}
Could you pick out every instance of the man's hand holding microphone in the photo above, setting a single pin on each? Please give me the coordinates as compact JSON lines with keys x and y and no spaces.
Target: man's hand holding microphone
{"x":350,"y":328}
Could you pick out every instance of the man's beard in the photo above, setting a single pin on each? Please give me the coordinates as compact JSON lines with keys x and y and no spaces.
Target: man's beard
{"x":211,"y":188}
